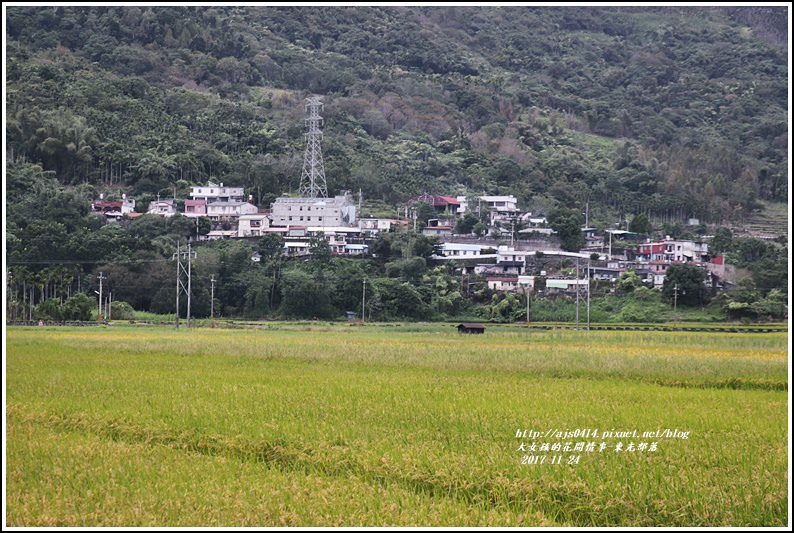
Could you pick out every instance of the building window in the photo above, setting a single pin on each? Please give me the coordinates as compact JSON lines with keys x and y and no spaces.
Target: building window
{"x":301,"y":219}
{"x":290,"y":219}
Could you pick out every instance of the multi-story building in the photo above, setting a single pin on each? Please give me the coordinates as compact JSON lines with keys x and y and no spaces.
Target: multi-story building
{"x":214,"y":192}
{"x":229,"y":210}
{"x":253,"y":225}
{"x":674,"y":251}
{"x":500,"y":208}
{"x":165,"y":208}
{"x":375,"y":225}
{"x":195,"y":208}
{"x":336,"y":211}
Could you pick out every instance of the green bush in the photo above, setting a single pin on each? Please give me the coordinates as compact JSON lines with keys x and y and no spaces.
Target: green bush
{"x":121,"y":311}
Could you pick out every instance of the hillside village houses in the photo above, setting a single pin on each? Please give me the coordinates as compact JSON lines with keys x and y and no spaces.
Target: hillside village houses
{"x":506,"y":268}
{"x":113,"y":210}
{"x":499,"y":208}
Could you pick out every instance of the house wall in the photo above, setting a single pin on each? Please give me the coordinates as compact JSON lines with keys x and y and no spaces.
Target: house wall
{"x":337,"y":211}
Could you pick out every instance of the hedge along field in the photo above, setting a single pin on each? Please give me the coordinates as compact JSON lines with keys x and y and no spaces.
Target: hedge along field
{"x":375,"y":425}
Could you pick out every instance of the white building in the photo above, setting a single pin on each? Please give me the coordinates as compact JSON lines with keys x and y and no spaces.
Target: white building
{"x":672,"y":250}
{"x":215,"y":192}
{"x":507,"y":255}
{"x":375,"y":225}
{"x":218,"y":234}
{"x":336,"y":211}
{"x":502,"y":283}
{"x":252,"y":225}
{"x":166,"y":208}
{"x":500,"y":208}
{"x":501,"y":204}
{"x":127,"y":205}
{"x":554,"y":285}
{"x":219,"y":210}
{"x":455,"y":250}
{"x":534,"y":222}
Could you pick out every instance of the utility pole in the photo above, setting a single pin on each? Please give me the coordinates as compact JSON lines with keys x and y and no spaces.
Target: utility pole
{"x":178,"y":266}
{"x":588,"y":294}
{"x":99,"y":313}
{"x":577,"y":294}
{"x":675,"y":305}
{"x":363,"y":297}
{"x":188,"y":285}
{"x":526,"y":293}
{"x":109,"y":308}
{"x":587,"y":214}
{"x":212,"y":302}
{"x":9,"y":311}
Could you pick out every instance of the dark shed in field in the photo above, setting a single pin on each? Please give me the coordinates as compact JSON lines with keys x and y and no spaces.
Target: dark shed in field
{"x":471,"y":328}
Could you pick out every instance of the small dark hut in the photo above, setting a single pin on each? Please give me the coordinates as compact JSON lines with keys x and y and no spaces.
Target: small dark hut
{"x":471,"y":328}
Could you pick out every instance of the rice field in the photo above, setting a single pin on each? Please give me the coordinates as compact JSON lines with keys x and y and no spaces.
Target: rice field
{"x":414,"y":425}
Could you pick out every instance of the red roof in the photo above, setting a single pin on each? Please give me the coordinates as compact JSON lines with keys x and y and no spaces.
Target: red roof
{"x":449,"y":200}
{"x":434,"y":199}
{"x":719,"y":260}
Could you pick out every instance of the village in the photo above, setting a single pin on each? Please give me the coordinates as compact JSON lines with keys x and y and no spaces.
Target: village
{"x":505,"y":258}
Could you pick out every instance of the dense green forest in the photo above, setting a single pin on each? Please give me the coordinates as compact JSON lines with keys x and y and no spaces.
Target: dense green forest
{"x":670,"y":112}
{"x":656,"y":109}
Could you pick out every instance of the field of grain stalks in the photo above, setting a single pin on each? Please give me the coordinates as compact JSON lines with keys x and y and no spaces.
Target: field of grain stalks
{"x":413,"y":425}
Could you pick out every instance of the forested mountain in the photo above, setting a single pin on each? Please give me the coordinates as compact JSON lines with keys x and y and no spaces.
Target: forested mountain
{"x":670,"y":111}
{"x":654,"y":112}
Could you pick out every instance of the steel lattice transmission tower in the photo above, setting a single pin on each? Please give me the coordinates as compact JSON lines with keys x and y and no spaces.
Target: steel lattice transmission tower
{"x":313,"y":175}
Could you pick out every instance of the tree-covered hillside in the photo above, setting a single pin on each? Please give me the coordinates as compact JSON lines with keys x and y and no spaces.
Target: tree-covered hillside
{"x":668,"y":111}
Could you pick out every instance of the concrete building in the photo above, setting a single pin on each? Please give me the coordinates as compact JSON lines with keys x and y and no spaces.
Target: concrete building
{"x":375,"y":225}
{"x":442,"y":204}
{"x":195,"y":208}
{"x":336,"y":211}
{"x":671,"y":250}
{"x":499,"y":208}
{"x":165,"y":208}
{"x":437,"y":226}
{"x":502,"y":283}
{"x":113,"y":211}
{"x":214,"y":192}
{"x":252,"y":225}
{"x":454,"y":250}
{"x":229,"y":210}
{"x":499,"y":204}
